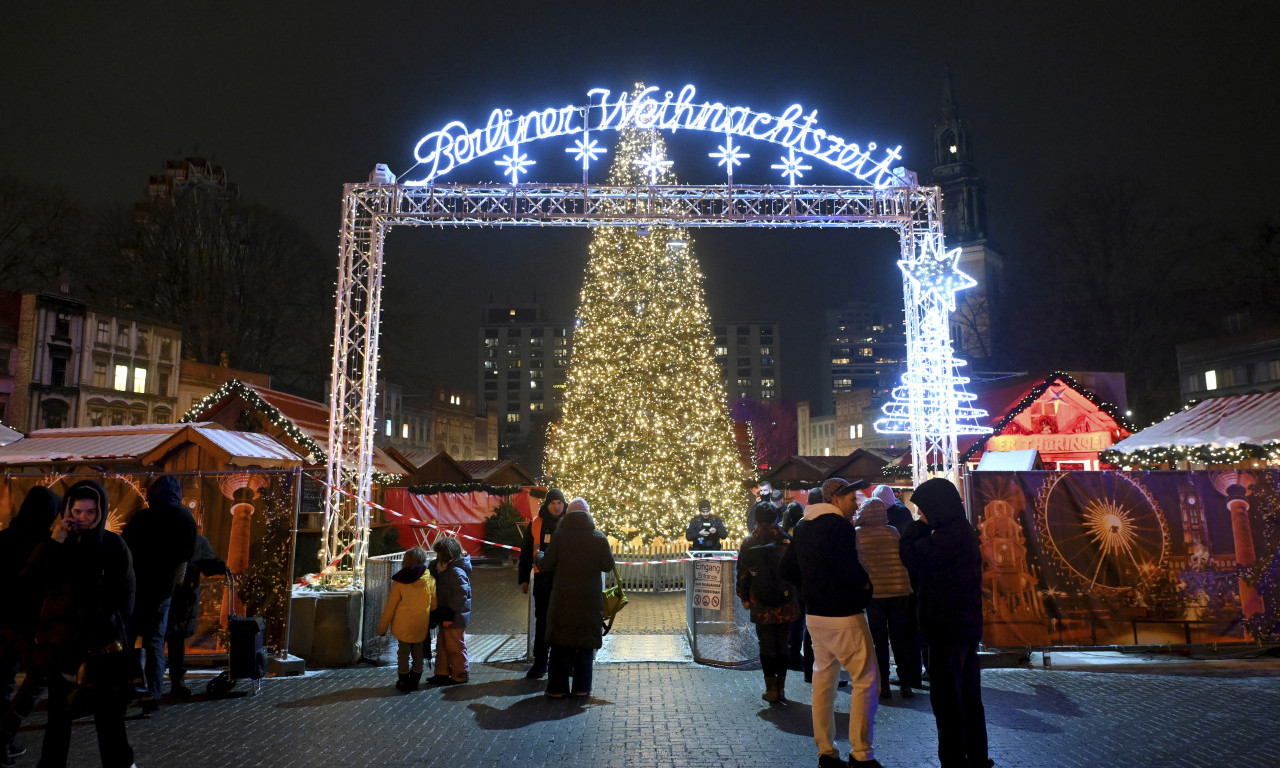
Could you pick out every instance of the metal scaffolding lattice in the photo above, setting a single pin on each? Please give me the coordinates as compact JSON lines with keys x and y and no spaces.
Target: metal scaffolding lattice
{"x":371,"y":209}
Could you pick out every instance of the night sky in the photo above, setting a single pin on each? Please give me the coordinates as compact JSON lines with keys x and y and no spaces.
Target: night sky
{"x":296,"y":99}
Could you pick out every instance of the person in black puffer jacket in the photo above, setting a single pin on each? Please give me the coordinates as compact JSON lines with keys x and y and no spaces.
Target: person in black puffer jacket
{"x":943,"y":548}
{"x":86,"y":575}
{"x":575,"y":620}
{"x":19,"y":609}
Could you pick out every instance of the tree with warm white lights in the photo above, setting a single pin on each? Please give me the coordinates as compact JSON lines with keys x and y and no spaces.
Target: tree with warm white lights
{"x":645,"y":431}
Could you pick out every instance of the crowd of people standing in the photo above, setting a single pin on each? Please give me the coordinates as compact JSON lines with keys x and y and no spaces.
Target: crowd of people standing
{"x":80,"y":597}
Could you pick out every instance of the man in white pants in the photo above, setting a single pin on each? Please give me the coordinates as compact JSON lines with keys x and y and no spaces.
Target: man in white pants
{"x":823,"y":560}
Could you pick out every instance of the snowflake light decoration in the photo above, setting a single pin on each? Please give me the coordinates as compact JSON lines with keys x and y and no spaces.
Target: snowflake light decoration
{"x":728,"y":155}
{"x":791,"y":166}
{"x":654,"y":163}
{"x":935,"y":273}
{"x":586,"y":151}
{"x":515,"y":163}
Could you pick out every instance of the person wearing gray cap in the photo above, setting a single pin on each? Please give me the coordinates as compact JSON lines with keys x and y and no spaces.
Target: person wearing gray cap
{"x":823,"y":560}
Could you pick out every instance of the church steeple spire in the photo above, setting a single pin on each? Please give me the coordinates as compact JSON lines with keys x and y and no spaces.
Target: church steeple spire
{"x":950,"y":135}
{"x":964,"y":214}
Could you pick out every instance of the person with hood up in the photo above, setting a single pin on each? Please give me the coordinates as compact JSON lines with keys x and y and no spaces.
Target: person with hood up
{"x":162,"y":539}
{"x":86,"y":575}
{"x":822,"y":560}
{"x":578,"y":555}
{"x":19,"y":609}
{"x":944,"y":549}
{"x":910,"y":671}
{"x":408,"y":615}
{"x":889,"y":612}
{"x":184,"y":612}
{"x":536,"y":539}
{"x":771,"y":599}
{"x":705,"y":529}
{"x":452,"y":571}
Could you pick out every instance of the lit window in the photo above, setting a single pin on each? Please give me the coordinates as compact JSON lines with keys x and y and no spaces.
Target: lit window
{"x":859,"y":431}
{"x":139,"y":380}
{"x":722,"y":351}
{"x":387,"y":429}
{"x":853,"y":432}
{"x":513,"y":418}
{"x":122,"y":378}
{"x":1210,"y":379}
{"x":404,"y":431}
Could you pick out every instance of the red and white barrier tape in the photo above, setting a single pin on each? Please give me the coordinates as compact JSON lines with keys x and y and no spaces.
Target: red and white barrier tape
{"x":459,"y":534}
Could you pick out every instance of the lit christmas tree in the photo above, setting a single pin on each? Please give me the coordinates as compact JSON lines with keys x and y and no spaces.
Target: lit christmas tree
{"x":645,"y":431}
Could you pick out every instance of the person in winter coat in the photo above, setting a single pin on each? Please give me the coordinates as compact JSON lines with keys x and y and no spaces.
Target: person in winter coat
{"x":453,"y":599}
{"x":943,"y":548}
{"x":836,"y":589}
{"x":770,"y":598}
{"x":86,"y":575}
{"x":162,"y":539}
{"x":536,"y":539}
{"x":184,"y":612}
{"x":578,"y":555}
{"x":19,"y":609}
{"x":889,"y":612}
{"x":705,"y":529}
{"x":910,"y":671}
{"x":408,"y":615}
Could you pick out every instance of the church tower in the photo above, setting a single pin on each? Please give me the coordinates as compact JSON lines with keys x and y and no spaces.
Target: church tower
{"x":964,"y":222}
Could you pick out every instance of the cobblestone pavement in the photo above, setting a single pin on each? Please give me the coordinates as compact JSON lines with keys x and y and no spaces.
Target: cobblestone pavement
{"x":651,"y":714}
{"x":1086,"y":710}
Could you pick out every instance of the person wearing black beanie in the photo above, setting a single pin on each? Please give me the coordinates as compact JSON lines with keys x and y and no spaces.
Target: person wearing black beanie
{"x":536,"y":538}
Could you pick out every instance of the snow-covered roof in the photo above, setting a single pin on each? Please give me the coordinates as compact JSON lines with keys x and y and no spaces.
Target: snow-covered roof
{"x":131,"y":443}
{"x":1219,"y":422}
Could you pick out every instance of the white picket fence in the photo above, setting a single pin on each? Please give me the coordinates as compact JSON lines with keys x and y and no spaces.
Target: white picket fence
{"x":650,"y":575}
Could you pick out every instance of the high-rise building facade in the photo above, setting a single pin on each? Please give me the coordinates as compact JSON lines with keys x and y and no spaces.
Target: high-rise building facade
{"x":866,"y":347}
{"x":524,"y":359}
{"x":749,"y":357}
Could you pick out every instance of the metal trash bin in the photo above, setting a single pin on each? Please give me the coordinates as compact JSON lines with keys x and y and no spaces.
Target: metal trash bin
{"x":719,"y":629}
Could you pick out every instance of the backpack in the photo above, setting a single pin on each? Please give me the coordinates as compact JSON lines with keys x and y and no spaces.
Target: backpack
{"x":768,"y":588}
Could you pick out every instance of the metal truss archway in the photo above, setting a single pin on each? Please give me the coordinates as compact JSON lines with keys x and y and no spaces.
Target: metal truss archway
{"x":928,"y":403}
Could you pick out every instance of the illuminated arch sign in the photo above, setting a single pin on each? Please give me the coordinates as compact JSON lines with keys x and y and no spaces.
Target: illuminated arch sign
{"x":794,"y":130}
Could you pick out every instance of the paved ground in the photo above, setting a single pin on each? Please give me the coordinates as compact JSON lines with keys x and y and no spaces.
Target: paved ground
{"x":1085,"y":710}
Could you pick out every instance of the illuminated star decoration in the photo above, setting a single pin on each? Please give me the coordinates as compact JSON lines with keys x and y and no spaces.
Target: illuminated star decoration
{"x":652,"y":163}
{"x":728,"y":155}
{"x":587,"y":150}
{"x":791,"y":166}
{"x":515,"y":163}
{"x":936,"y":272}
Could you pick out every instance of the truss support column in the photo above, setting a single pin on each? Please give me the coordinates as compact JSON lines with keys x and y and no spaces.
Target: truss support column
{"x":354,"y":383}
{"x":932,"y":398}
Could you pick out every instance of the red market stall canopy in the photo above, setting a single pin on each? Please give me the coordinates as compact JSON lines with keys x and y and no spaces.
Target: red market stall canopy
{"x":1220,"y":430}
{"x":457,"y":496}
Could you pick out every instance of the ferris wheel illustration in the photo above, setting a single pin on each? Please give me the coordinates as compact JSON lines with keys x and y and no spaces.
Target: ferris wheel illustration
{"x":1104,"y":529}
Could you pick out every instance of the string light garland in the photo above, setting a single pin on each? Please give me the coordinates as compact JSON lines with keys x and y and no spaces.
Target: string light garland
{"x":1111,"y":409}
{"x":316,"y":454}
{"x":646,"y":430}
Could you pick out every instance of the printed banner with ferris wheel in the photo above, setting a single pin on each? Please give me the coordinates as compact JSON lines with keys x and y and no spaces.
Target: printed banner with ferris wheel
{"x":1128,"y":558}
